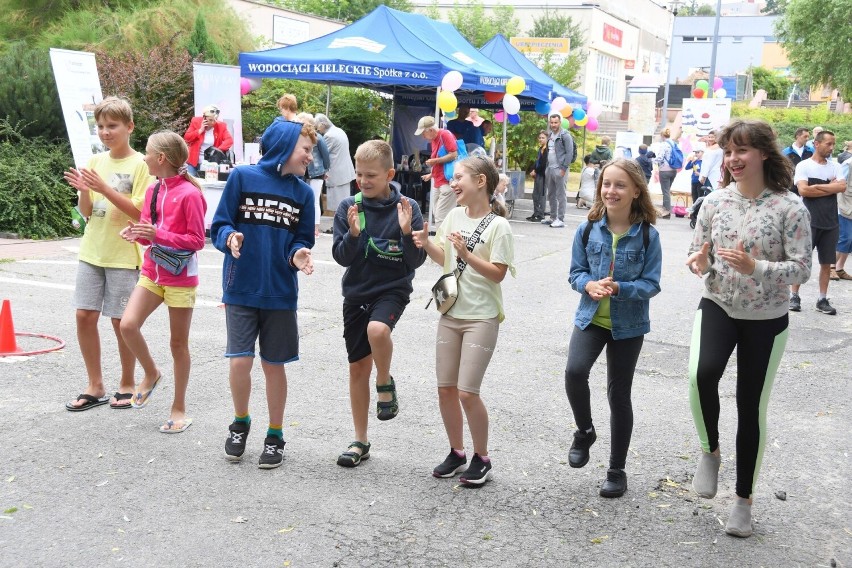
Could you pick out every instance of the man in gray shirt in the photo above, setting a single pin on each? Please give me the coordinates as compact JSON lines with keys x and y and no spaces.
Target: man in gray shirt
{"x":560,"y":154}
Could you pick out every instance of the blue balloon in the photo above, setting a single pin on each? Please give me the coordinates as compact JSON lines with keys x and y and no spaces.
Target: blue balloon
{"x":579,"y":114}
{"x":542,"y":107}
{"x":514,"y":119}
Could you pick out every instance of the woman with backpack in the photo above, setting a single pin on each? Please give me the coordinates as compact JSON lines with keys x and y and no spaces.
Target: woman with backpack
{"x":669,"y":160}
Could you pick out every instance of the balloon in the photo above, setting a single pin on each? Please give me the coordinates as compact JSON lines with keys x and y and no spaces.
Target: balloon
{"x":698,"y":93}
{"x":542,"y":107}
{"x":447,"y":101}
{"x":514,"y":119}
{"x":452,"y":81}
{"x":450,"y":115}
{"x":592,"y":125}
{"x":717,"y":83}
{"x":565,"y":123}
{"x":516,"y":85}
{"x":511,"y":104}
{"x":720,"y":93}
{"x":492,"y":97}
{"x":583,"y":121}
{"x":703,"y":85}
{"x":566,"y":111}
{"x":579,"y":114}
{"x":499,"y":116}
{"x":594,"y":110}
{"x":557,"y":104}
{"x":255,"y":82}
{"x":245,"y":86}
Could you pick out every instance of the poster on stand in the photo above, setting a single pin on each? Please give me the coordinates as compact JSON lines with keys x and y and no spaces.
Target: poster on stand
{"x":699,"y":117}
{"x":79,"y":86}
{"x":627,"y":145}
{"x":220,"y":85}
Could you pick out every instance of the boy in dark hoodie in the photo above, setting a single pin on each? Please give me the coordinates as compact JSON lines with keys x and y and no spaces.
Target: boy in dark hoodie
{"x":644,"y":159}
{"x":265,"y":226}
{"x":373,"y":240}
{"x":602,"y":154}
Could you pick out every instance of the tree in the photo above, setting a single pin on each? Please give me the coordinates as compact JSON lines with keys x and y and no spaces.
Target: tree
{"x":705,"y":10}
{"x":774,"y":7}
{"x":345,"y":10}
{"x":554,"y":25}
{"x":28,"y":95}
{"x":200,"y":46}
{"x":817,"y":42}
{"x":776,"y":86}
{"x":695,"y":9}
{"x":478,"y":27}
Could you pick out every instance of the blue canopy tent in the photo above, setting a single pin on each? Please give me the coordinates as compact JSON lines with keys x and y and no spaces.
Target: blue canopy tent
{"x":499,"y":49}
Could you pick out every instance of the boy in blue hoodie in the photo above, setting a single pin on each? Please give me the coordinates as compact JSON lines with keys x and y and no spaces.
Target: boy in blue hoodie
{"x":373,"y":240}
{"x":265,"y":226}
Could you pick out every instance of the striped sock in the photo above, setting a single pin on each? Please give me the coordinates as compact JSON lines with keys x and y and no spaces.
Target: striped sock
{"x":244,"y":418}
{"x":275,"y":430}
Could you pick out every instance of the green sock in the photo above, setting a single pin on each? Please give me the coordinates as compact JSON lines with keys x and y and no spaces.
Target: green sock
{"x":275,"y":430}
{"x":246,"y":418}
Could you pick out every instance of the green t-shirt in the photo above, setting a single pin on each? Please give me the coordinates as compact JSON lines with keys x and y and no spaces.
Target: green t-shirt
{"x":601,"y":317}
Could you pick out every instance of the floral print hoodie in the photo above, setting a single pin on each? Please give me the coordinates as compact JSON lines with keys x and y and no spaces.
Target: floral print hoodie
{"x":775,"y":229}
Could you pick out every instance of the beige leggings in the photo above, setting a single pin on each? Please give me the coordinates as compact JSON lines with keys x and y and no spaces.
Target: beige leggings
{"x":463,"y":350}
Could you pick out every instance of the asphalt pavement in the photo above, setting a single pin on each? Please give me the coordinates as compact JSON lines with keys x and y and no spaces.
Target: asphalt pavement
{"x":105,"y":488}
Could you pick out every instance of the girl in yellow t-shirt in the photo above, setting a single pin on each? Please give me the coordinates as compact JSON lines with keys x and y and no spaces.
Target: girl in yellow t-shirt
{"x":479,"y":235}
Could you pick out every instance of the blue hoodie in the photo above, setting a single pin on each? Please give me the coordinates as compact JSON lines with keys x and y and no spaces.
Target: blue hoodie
{"x":369,"y":274}
{"x":275,"y":214}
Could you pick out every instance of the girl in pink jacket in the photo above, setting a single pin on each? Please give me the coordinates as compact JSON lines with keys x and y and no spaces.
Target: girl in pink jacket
{"x":172,"y":223}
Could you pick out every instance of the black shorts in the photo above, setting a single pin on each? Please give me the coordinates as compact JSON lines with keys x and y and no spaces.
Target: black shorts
{"x":356,"y":318}
{"x":825,"y":241}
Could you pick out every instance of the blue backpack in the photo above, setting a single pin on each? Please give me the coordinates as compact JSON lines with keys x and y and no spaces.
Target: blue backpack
{"x":676,"y":157}
{"x":461,"y":152}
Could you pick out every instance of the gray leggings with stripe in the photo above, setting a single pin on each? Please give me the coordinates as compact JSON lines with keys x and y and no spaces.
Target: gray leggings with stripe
{"x":760,"y":345}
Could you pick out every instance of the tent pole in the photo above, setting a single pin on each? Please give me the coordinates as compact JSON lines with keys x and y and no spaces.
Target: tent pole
{"x":432,"y":195}
{"x":390,"y":125}
{"x":505,"y":125}
{"x":584,"y":143}
{"x":327,"y":98}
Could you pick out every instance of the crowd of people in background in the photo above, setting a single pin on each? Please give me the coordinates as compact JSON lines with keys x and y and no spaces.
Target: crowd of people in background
{"x":764,"y":213}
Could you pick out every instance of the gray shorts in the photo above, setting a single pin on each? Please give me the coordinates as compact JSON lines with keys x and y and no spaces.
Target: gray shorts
{"x":278,"y":331}
{"x":105,"y":290}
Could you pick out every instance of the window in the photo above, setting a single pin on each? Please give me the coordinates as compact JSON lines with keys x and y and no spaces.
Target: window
{"x":696,"y":39}
{"x":738,"y":39}
{"x":606,"y":79}
{"x":770,"y":39}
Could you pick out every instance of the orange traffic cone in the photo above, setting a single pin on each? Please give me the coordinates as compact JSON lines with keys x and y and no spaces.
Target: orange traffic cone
{"x":8,"y":344}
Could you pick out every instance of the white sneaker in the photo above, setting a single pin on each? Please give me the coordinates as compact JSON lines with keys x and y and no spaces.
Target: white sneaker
{"x":557,"y":224}
{"x":546,"y":221}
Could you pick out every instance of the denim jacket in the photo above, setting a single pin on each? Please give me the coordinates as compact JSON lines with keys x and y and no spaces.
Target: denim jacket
{"x":321,"y":161}
{"x":636,"y":270}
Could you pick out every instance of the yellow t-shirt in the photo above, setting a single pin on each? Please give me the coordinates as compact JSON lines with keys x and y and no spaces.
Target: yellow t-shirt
{"x":602,"y":316}
{"x":479,"y":298}
{"x":101,"y":244}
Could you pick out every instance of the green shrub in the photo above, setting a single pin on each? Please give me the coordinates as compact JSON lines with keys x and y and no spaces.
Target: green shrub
{"x":786,"y":121}
{"x":28,"y":94}
{"x":35,"y":201}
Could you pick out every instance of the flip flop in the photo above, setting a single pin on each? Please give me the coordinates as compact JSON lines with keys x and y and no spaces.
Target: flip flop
{"x":119,"y":396}
{"x":169,"y":426}
{"x":91,"y":402}
{"x":140,"y":400}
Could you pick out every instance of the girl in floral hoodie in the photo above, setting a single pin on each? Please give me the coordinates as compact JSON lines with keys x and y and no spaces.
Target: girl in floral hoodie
{"x":752,"y":241}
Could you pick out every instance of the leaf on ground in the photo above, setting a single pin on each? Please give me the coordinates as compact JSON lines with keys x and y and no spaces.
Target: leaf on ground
{"x":239,"y":520}
{"x":668,"y":482}
{"x":684,"y":456}
{"x":115,"y":549}
{"x":10,"y":479}
{"x":664,"y":505}
{"x":286,"y":563}
{"x":151,"y":460}
{"x":286,"y":530}
{"x":600,"y":539}
{"x":101,"y":484}
{"x":121,"y":531}
{"x":100,"y":455}
{"x":594,"y":513}
{"x":487,"y":536}
{"x":27,"y":507}
{"x":126,"y":519}
{"x":11,"y":510}
{"x":535,"y":512}
{"x":652,"y":494}
{"x":8,"y":518}
{"x":294,"y":423}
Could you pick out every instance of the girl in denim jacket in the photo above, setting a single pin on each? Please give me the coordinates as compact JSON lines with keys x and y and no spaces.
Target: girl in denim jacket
{"x":616,"y":262}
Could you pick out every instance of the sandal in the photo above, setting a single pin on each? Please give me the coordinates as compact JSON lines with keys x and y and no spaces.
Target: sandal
{"x":119,"y":396}
{"x":387,"y":410}
{"x":351,"y":459}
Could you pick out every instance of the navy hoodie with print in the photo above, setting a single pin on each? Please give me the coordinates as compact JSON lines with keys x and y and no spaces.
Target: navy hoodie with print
{"x":275,"y":214}
{"x":369,"y":273}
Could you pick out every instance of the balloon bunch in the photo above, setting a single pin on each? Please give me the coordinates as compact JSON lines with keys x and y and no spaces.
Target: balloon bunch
{"x":583,"y":115}
{"x":702,"y":89}
{"x":451,"y":82}
{"x":511,"y":105}
{"x":249,"y":85}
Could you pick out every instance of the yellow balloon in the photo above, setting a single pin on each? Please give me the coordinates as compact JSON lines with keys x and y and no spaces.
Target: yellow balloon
{"x":582,"y":122}
{"x":447,"y":101}
{"x":516,"y":85}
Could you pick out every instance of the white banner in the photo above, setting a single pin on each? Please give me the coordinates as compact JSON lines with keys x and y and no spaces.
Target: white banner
{"x":220,"y":85}
{"x":79,"y":87}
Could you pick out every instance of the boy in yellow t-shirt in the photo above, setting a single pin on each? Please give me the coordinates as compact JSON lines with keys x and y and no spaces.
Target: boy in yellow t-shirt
{"x":112,"y":189}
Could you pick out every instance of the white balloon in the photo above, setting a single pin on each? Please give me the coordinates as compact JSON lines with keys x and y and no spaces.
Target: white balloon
{"x":720,"y":93}
{"x":452,"y":81}
{"x":558,"y":104}
{"x":511,"y":104}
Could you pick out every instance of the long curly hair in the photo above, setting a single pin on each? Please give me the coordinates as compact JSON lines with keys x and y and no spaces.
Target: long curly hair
{"x":642,"y":209}
{"x":777,"y":169}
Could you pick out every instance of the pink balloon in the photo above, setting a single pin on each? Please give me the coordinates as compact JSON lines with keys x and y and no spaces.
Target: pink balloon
{"x":594,"y":110}
{"x":499,"y":115}
{"x":592,"y":125}
{"x":717,"y":83}
{"x":245,"y":86}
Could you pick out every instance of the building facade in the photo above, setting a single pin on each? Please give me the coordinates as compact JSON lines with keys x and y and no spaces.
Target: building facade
{"x":278,"y":27}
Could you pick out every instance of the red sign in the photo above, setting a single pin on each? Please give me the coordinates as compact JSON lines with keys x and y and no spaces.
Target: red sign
{"x":612,"y":35}
{"x":630,"y":64}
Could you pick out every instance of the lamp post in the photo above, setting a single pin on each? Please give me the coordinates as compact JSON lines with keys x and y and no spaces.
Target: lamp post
{"x":673,"y":5}
{"x":713,"y":55}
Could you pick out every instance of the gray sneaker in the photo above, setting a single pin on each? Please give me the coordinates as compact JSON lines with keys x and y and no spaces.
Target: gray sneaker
{"x":795,"y":303}
{"x":824,"y":307}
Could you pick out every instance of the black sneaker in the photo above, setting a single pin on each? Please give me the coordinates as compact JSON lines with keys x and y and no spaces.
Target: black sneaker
{"x":578,"y":455}
{"x":450,"y":466}
{"x":273,"y":453}
{"x":615,"y":484}
{"x":824,"y":307}
{"x":795,"y":303}
{"x":235,"y":445}
{"x":478,"y":472}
